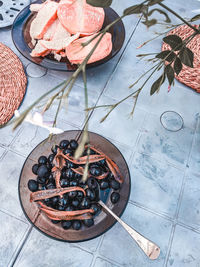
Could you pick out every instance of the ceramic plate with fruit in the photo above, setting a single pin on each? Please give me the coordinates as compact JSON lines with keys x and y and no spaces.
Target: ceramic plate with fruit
{"x":50,"y":33}
{"x":56,"y":198}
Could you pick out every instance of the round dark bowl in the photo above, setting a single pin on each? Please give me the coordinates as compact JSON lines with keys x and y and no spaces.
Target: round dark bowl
{"x":21,"y":39}
{"x":103,"y":221}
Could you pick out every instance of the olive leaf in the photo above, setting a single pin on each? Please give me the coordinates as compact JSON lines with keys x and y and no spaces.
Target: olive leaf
{"x":170,"y":73}
{"x":167,"y":55}
{"x":174,"y":41}
{"x":154,"y":2}
{"x":157,"y":84}
{"x":99,"y":3}
{"x":136,"y":9}
{"x":150,"y":23}
{"x":187,"y":57}
{"x":161,"y":12}
{"x":197,"y":17}
{"x":177,"y":66}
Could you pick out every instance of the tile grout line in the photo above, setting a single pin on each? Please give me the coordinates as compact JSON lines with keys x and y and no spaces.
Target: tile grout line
{"x":13,"y":260}
{"x":180,"y":200}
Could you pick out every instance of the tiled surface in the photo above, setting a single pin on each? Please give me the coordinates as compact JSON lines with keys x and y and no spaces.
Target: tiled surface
{"x":117,"y":245}
{"x":185,"y":249}
{"x":153,"y":180}
{"x":11,"y":234}
{"x":165,"y":198}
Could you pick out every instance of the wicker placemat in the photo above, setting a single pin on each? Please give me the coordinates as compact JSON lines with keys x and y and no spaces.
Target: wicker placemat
{"x":12,"y":83}
{"x":188,"y":76}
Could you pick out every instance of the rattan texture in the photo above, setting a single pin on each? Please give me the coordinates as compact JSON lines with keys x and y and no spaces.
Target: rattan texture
{"x":188,"y":76}
{"x":13,"y":83}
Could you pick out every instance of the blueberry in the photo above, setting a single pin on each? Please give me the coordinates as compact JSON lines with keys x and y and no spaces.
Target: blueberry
{"x":32,"y":185}
{"x":92,"y":183}
{"x":54,"y":200}
{"x":54,"y":149}
{"x":102,"y":163}
{"x":90,"y":194}
{"x":35,"y":168}
{"x":70,"y":164}
{"x":51,"y":158}
{"x":43,"y":187}
{"x":72,"y":194}
{"x":73,"y":183}
{"x":115,"y":185}
{"x":88,"y":222}
{"x":43,"y":171}
{"x":47,"y":201}
{"x":76,"y":225}
{"x":115,"y":197}
{"x":85,"y":203}
{"x":77,"y":176}
{"x":55,"y":221}
{"x":61,"y":208}
{"x":64,"y":144}
{"x":63,"y":202}
{"x":95,"y":208}
{"x":50,"y":186}
{"x":41,"y":180}
{"x":49,"y":166}
{"x":80,"y":195}
{"x":96,"y":171}
{"x":75,"y":203}
{"x":42,"y":160}
{"x":64,"y":182}
{"x":73,"y":144}
{"x":104,"y":185}
{"x":69,"y":208}
{"x":68,"y":151}
{"x":66,"y":224}
{"x":69,"y":173}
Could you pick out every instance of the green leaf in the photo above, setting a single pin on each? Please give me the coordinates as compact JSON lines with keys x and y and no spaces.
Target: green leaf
{"x":161,"y":12}
{"x":154,"y":2}
{"x":136,"y":9}
{"x":177,"y":66}
{"x":157,"y":84}
{"x":187,"y":57}
{"x":167,"y":55}
{"x":174,"y":41}
{"x":99,"y":3}
{"x":170,"y":74}
{"x":197,"y":17}
{"x":150,"y":23}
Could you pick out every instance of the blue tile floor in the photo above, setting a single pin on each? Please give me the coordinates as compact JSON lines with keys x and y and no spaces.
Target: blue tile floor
{"x":164,"y":203}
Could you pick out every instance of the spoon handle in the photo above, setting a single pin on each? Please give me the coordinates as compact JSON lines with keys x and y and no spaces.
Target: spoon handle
{"x":150,"y":249}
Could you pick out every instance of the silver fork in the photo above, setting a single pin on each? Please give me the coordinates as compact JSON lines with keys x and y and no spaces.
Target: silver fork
{"x":150,"y":249}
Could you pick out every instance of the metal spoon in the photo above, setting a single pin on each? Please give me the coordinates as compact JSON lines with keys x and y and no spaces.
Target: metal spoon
{"x":150,"y":249}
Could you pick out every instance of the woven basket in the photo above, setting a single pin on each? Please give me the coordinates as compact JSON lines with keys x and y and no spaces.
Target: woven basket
{"x":188,"y":76}
{"x":13,"y":83}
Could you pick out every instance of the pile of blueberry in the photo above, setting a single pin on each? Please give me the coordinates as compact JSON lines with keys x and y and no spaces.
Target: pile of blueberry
{"x":74,"y":200}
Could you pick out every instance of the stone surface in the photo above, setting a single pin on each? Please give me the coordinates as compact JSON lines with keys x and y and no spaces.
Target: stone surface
{"x":56,"y":253}
{"x":11,"y":234}
{"x":185,"y":249}
{"x":117,"y":244}
{"x":164,"y":166}
{"x":153,"y":180}
{"x":174,"y":147}
{"x":190,"y":205}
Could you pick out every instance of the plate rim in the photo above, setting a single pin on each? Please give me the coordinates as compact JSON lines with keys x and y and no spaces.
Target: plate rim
{"x":86,"y":239}
{"x":88,"y":66}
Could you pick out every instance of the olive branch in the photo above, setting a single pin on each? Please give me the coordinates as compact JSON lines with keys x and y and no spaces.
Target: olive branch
{"x":176,"y":57}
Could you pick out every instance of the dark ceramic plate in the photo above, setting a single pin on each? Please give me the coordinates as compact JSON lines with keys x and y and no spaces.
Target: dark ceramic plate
{"x":21,"y":39}
{"x":102,"y":221}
